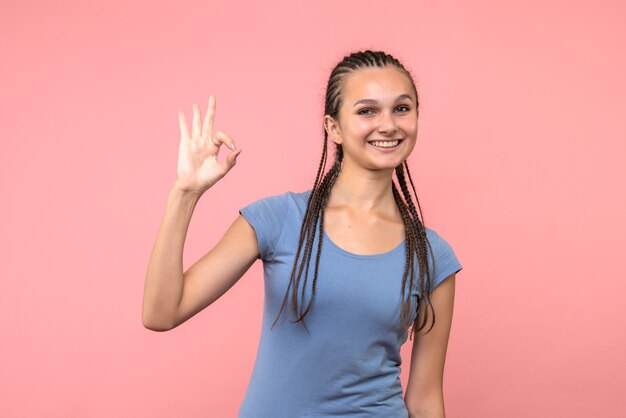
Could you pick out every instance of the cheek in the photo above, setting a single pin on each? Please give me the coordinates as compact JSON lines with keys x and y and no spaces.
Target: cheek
{"x":410,"y":127}
{"x":410,"y":124}
{"x":361,"y":126}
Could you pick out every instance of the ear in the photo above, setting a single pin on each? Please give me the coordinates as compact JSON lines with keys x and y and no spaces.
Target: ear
{"x":332,"y":129}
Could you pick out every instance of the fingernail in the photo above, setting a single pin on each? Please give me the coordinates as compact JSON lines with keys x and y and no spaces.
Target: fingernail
{"x":232,"y":146}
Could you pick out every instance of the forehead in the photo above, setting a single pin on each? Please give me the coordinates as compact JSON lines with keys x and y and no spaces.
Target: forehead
{"x":372,"y":83}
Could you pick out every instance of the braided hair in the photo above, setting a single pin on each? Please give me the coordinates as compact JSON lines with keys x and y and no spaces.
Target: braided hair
{"x":416,"y":240}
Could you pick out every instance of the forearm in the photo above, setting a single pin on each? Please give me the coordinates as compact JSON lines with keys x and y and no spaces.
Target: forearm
{"x":428,"y":414}
{"x":163,"y":287}
{"x":427,"y":408}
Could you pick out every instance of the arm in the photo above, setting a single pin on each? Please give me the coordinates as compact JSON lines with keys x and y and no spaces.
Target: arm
{"x":171,"y":296}
{"x":424,"y":393}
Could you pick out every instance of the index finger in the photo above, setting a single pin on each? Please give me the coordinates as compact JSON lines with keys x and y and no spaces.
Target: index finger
{"x":184,"y":131}
{"x":207,"y":125}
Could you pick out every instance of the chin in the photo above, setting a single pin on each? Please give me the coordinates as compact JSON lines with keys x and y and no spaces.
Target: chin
{"x":389,"y":166}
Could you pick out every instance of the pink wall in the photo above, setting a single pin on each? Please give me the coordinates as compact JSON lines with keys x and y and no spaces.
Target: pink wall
{"x":520,"y":164}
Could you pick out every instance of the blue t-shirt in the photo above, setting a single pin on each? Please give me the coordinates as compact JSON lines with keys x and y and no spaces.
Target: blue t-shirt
{"x":348,"y":363}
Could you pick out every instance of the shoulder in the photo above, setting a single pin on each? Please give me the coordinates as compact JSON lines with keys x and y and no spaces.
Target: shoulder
{"x":435,"y":239}
{"x":298,"y":198}
{"x":273,"y":210}
{"x":445,"y":259}
{"x":270,"y":215}
{"x":281,"y":200}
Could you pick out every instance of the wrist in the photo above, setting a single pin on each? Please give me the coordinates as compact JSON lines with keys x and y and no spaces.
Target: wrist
{"x":180,"y":193}
{"x":183,"y":191}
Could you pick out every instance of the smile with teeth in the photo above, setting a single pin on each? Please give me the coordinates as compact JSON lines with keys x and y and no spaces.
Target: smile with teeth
{"x":385,"y":144}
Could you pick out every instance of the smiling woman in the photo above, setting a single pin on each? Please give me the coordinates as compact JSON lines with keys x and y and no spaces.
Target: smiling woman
{"x":380,"y":114}
{"x":376,"y":272}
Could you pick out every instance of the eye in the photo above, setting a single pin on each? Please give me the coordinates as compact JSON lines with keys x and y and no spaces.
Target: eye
{"x":365,"y":111}
{"x":403,"y":108}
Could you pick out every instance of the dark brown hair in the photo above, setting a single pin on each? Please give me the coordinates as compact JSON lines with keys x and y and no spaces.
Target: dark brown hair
{"x":416,"y":241}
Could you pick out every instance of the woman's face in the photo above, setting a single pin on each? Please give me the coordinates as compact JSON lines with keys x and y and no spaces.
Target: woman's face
{"x":377,"y":121}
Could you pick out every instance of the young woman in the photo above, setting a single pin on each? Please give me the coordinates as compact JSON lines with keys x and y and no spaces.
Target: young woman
{"x":349,"y":262}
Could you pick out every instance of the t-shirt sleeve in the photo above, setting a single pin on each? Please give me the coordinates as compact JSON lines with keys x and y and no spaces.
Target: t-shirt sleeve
{"x":267,"y":217}
{"x":446,"y":261}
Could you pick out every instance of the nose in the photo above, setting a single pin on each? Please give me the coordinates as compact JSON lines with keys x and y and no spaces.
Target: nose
{"x":387,"y":123}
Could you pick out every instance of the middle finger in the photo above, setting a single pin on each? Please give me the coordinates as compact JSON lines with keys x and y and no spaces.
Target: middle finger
{"x":207,"y":125}
{"x":195,"y":124}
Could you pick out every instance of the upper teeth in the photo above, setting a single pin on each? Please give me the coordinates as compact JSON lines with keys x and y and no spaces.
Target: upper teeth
{"x":385,"y":144}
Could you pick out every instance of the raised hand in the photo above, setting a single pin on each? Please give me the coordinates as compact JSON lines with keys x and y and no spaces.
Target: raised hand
{"x":198,"y":167}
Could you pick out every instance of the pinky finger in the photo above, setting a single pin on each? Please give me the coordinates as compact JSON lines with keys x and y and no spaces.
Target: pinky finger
{"x":184,"y":131}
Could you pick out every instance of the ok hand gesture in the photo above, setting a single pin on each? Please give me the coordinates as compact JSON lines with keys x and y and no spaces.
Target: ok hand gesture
{"x":198,"y":168}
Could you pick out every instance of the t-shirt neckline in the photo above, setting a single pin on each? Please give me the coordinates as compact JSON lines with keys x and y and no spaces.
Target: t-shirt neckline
{"x":364,"y":256}
{"x":391,"y":252}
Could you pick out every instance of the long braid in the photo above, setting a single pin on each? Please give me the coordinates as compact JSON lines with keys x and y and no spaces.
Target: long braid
{"x":313,"y":223}
{"x":314,"y":206}
{"x":327,"y":184}
{"x":409,"y":266}
{"x":332,"y":179}
{"x":422,"y":242}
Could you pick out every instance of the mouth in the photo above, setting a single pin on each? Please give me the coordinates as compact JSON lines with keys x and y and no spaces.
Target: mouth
{"x":385,"y":143}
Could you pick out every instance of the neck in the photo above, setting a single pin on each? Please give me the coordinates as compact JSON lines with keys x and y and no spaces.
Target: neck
{"x":363,"y":190}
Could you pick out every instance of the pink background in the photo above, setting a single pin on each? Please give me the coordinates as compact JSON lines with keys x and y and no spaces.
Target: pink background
{"x":520,"y":165}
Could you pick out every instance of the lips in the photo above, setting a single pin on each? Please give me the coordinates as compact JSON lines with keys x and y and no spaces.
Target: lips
{"x":385,"y":143}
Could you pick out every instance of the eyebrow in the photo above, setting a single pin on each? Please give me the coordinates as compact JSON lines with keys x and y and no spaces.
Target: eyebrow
{"x":372,"y":101}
